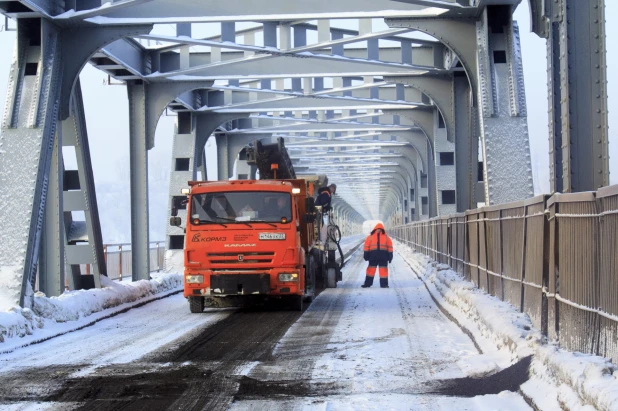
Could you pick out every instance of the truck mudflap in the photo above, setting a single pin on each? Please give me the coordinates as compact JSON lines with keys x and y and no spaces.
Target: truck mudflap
{"x":226,"y":284}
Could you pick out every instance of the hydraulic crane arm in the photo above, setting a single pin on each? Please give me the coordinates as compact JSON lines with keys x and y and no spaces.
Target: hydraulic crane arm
{"x":264,"y":155}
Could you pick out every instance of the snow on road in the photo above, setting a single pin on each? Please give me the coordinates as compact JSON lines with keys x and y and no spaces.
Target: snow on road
{"x":119,"y":339}
{"x":385,"y":349}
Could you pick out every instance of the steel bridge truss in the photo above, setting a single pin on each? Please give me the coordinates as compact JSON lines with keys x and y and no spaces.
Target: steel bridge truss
{"x":393,"y":100}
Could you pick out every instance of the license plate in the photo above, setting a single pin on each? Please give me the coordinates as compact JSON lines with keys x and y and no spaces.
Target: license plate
{"x":272,"y":236}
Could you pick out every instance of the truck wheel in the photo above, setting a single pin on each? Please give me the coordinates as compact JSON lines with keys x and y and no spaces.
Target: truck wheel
{"x":297,"y":302}
{"x":196,"y":304}
{"x":310,"y":286}
{"x":331,"y":279}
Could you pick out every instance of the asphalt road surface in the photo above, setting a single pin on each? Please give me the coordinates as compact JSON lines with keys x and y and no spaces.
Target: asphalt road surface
{"x":352,"y":348}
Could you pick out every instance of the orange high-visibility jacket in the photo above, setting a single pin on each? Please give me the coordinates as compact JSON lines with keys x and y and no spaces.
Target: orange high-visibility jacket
{"x":378,"y":245}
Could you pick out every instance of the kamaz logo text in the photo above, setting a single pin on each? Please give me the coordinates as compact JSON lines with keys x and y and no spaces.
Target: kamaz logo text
{"x":238,"y":245}
{"x":198,"y":239}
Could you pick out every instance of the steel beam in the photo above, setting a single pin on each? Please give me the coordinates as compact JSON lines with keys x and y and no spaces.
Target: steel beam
{"x":51,"y":266}
{"x":272,"y":67}
{"x":577,"y":78}
{"x":170,"y":11}
{"x":466,"y":145}
{"x":84,"y":240}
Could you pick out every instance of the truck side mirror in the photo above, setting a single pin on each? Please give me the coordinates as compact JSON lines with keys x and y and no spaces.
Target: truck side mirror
{"x":175,"y":221}
{"x":310,"y":205}
{"x":174,"y":210}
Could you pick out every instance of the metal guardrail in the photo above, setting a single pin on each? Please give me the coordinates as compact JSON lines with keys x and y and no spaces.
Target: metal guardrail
{"x":118,"y":259}
{"x":555,"y":258}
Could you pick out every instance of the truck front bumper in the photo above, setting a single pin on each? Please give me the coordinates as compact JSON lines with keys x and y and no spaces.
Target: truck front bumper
{"x":229,"y":284}
{"x":241,"y":283}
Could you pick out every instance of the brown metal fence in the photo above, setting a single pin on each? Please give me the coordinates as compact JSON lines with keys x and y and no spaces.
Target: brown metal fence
{"x":118,"y":259}
{"x":554,"y":258}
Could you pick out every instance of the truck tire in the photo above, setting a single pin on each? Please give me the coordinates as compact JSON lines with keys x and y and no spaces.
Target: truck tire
{"x":331,"y":278}
{"x":310,"y":280}
{"x":196,"y":304}
{"x":297,"y":302}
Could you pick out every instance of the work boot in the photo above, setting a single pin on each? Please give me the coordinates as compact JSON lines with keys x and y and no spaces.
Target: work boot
{"x":368,"y":282}
{"x":384,"y":282}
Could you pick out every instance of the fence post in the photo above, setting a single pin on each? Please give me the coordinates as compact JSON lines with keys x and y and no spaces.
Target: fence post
{"x":486,"y":253}
{"x":556,"y":273}
{"x":449,"y":234}
{"x":120,"y":262}
{"x":466,"y":250}
{"x":501,"y":256}
{"x":523,"y":261}
{"x":158,"y":259}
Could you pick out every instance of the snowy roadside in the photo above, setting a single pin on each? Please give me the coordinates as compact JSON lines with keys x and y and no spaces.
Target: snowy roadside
{"x":73,"y":310}
{"x":558,"y":379}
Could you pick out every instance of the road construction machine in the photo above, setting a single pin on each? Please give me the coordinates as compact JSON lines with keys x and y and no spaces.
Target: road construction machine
{"x":250,"y":241}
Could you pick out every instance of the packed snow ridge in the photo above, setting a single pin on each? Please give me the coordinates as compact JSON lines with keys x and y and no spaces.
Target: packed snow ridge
{"x":52,"y":316}
{"x":559,"y":379}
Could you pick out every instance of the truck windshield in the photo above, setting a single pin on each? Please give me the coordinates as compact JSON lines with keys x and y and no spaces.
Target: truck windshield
{"x":241,"y":207}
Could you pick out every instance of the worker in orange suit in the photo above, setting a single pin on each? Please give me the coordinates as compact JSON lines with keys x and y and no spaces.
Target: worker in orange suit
{"x":379,"y":252}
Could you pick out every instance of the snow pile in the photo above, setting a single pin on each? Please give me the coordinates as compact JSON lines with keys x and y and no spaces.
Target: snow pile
{"x":72,"y":305}
{"x":558,"y":378}
{"x":75,"y":306}
{"x":579,"y":379}
{"x":18,"y":322}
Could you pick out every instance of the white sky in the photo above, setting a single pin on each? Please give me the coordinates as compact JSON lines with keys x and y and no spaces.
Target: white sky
{"x":107,"y":108}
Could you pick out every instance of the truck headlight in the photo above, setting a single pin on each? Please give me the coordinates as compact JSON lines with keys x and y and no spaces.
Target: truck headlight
{"x":194,"y":279}
{"x":288,"y":277}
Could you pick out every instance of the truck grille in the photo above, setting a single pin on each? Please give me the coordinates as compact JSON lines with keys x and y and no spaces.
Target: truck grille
{"x":247,"y":258}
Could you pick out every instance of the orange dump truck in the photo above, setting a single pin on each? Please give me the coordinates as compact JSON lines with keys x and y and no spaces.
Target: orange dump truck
{"x":250,"y":238}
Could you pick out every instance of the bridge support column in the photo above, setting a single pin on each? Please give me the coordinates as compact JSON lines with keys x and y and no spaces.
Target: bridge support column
{"x":51,"y":256}
{"x":466,"y":145}
{"x":577,"y":78}
{"x":138,"y":155}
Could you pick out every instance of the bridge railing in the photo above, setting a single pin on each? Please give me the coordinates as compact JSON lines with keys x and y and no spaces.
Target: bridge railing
{"x":118,"y":259}
{"x":554,"y":258}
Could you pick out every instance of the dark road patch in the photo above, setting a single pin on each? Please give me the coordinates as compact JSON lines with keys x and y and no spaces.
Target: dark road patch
{"x":194,"y":375}
{"x":508,"y":379}
{"x":251,"y":388}
{"x":129,"y":387}
{"x":246,"y":335}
